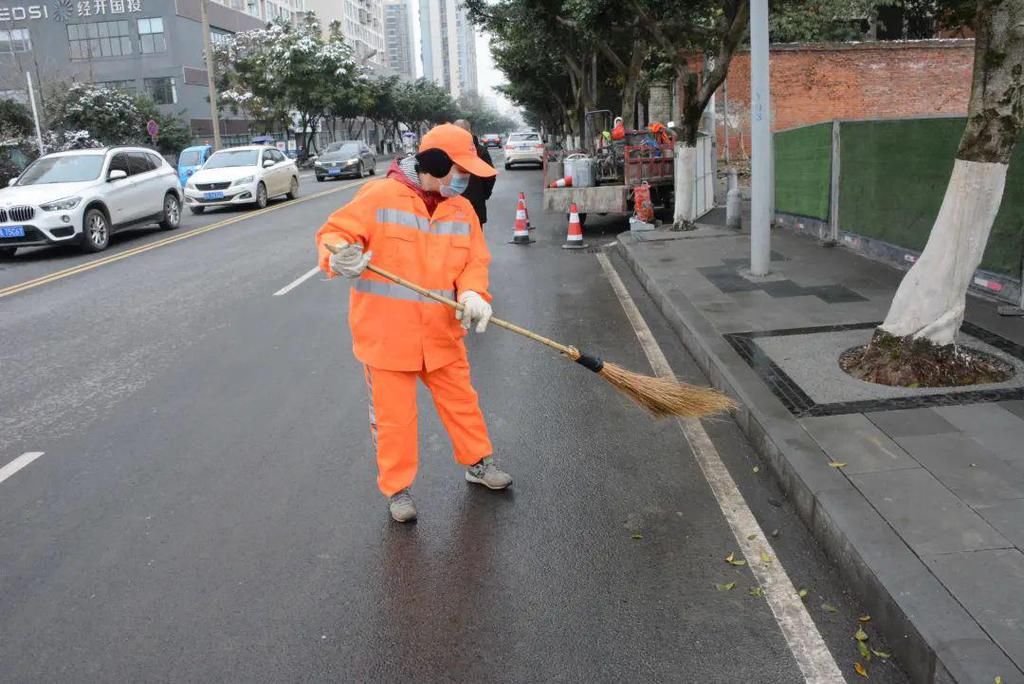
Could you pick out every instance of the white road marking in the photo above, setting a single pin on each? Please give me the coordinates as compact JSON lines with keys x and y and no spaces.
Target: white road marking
{"x":19,"y":463}
{"x":801,"y":634}
{"x":298,"y":281}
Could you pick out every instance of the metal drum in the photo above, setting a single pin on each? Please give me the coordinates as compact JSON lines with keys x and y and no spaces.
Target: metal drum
{"x":581,"y":169}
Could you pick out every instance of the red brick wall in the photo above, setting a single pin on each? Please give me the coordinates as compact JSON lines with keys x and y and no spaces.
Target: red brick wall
{"x":884,"y":80}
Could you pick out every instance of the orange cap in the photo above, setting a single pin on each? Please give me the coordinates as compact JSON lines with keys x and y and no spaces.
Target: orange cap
{"x":457,"y":143}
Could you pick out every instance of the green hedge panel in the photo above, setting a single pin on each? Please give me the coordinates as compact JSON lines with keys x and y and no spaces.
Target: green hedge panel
{"x":893,"y":176}
{"x":803,"y":164}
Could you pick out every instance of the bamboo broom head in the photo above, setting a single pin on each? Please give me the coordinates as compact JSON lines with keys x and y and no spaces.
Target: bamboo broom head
{"x":663,"y":397}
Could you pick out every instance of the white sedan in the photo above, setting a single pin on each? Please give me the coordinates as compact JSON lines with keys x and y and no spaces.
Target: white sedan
{"x":242,"y":175}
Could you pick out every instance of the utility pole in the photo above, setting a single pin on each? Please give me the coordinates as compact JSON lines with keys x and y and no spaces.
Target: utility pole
{"x":210,"y":75}
{"x":761,"y":147}
{"x":35,"y":112}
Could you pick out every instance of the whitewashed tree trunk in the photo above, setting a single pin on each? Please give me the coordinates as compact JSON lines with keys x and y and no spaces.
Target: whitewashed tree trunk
{"x":930,"y":301}
{"x":685,"y":171}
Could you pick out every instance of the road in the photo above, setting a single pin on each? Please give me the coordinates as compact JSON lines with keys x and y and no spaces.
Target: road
{"x":189,"y":490}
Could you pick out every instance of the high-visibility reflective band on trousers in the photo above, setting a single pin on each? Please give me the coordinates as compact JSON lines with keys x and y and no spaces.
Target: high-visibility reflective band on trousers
{"x":393,"y":328}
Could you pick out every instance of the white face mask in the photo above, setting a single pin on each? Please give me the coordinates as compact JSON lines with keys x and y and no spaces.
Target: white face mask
{"x":456,"y":186}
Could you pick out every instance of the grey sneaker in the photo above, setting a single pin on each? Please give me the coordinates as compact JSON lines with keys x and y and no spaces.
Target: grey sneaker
{"x":487,"y":474}
{"x":401,"y":507}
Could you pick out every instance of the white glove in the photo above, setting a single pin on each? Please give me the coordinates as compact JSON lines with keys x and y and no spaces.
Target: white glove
{"x":350,"y":261}
{"x":475,"y":310}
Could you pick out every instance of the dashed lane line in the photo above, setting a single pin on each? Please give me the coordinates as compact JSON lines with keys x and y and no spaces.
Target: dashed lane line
{"x":298,"y":281}
{"x":17,"y":464}
{"x":802,"y":636}
{"x":103,"y":261}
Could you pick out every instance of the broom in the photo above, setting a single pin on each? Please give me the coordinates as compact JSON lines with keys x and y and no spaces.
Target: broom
{"x":660,"y":396}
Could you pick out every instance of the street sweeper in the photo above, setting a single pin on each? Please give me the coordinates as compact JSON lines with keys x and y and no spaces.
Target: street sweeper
{"x":416,"y":224}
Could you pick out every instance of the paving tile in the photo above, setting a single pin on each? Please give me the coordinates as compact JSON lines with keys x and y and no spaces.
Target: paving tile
{"x":1001,"y":431}
{"x":1014,"y":407}
{"x":989,"y":584}
{"x":1007,"y":517}
{"x":857,"y":442}
{"x":928,"y":517}
{"x":950,"y":457}
{"x":911,"y":422}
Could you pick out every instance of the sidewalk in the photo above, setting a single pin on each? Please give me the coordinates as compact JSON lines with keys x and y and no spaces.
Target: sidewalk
{"x":926,"y":517}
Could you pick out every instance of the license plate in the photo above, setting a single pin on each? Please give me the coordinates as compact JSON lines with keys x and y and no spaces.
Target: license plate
{"x":213,"y":195}
{"x":12,"y":231}
{"x":334,"y":172}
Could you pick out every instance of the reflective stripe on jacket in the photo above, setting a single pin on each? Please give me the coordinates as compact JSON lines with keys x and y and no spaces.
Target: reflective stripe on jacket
{"x":392,"y":327}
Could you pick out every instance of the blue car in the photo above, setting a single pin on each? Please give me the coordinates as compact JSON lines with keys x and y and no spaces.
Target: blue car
{"x":191,"y":159}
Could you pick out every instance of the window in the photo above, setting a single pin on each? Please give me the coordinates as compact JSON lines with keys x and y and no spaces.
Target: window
{"x":15,"y":40}
{"x":217,"y":36}
{"x":156,"y":160}
{"x":123,"y":86}
{"x":161,"y":90}
{"x":119,"y":162}
{"x":151,"y":36}
{"x":277,"y":156}
{"x":140,"y":162}
{"x":100,"y":39}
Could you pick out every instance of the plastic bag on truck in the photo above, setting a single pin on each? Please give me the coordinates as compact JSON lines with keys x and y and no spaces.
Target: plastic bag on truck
{"x":643,"y":208}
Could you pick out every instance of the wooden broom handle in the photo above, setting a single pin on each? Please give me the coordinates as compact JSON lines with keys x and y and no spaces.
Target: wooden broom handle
{"x":571,"y":352}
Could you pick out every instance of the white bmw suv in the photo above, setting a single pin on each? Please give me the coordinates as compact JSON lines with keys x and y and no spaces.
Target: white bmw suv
{"x":81,"y":197}
{"x":248,"y":175}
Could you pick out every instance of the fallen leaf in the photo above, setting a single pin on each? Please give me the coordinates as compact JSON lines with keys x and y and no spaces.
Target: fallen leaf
{"x":751,"y":537}
{"x":974,"y":465}
{"x":739,"y":563}
{"x":638,"y":536}
{"x":802,"y":594}
{"x":865,"y":652}
{"x":859,"y":669}
{"x":728,"y":559}
{"x":756,"y":591}
{"x":829,"y":608}
{"x":732,"y":560}
{"x":775,"y":533}
{"x":860,"y":634}
{"x":756,"y":469}
{"x":864,"y":618}
{"x":837,"y":464}
{"x":998,"y":680}
{"x":725,"y":587}
{"x":882,"y":654}
{"x":765,"y":558}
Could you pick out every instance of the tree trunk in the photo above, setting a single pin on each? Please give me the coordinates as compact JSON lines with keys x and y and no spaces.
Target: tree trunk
{"x":632,"y":84}
{"x":685,"y":167}
{"x":930,"y":301}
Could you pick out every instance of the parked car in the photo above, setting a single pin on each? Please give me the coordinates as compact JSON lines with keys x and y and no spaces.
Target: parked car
{"x":524,"y":147}
{"x":242,"y":175}
{"x":83,"y":196}
{"x":191,"y":159}
{"x":345,"y":158}
{"x":490,"y":140}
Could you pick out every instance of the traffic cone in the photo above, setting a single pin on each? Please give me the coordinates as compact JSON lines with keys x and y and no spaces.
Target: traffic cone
{"x":562,"y":183}
{"x":521,"y":234}
{"x":522,"y":198}
{"x":574,"y":240}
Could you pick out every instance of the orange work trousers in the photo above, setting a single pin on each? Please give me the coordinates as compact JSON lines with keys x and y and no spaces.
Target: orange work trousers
{"x":393,"y":423}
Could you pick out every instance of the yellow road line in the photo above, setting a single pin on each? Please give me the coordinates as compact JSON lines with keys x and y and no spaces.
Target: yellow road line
{"x":103,"y":261}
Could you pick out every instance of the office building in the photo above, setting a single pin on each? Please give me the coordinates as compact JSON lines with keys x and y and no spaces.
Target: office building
{"x":448,"y":42}
{"x":140,"y":46}
{"x":398,"y":37}
{"x":268,"y":10}
{"x":362,"y":25}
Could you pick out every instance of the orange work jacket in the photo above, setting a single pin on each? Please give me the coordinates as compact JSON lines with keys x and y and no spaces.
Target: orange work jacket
{"x":392,"y":327}
{"x":619,"y":132}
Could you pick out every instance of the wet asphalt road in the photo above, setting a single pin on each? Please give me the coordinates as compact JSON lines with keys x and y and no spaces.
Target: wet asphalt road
{"x":205,"y":507}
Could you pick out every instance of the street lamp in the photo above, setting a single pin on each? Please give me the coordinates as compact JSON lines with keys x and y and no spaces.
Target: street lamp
{"x":761,"y":141}
{"x":208,"y":53}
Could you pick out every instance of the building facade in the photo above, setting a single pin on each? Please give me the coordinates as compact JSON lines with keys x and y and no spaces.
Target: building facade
{"x":398,"y":38}
{"x":362,"y":25}
{"x":448,"y":46}
{"x":268,"y":10}
{"x":139,"y":46}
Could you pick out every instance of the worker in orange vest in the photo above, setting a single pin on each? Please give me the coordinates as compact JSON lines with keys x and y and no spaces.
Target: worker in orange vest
{"x":415,"y":223}
{"x":618,"y":130}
